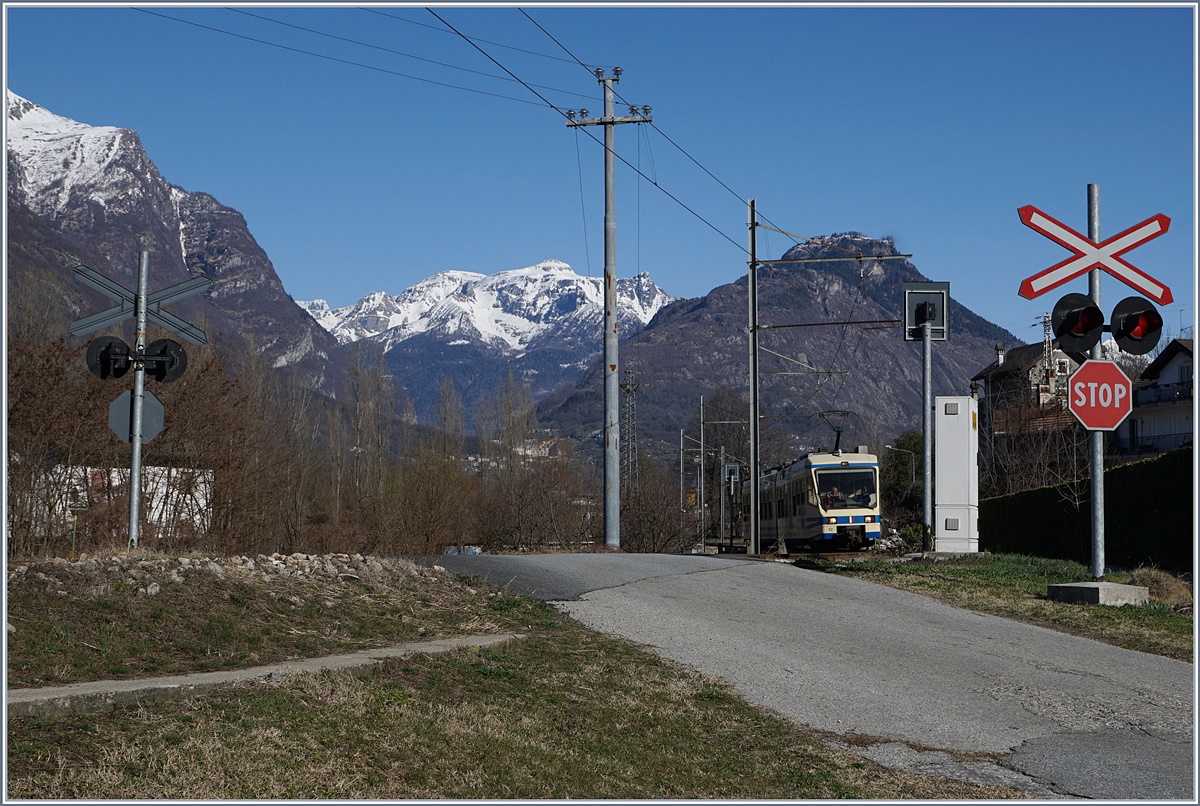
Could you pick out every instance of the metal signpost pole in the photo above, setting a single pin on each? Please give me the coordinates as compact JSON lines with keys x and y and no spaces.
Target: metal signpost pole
{"x":1080,"y":324}
{"x":109,"y":358}
{"x":752,"y":546}
{"x":139,"y":386}
{"x":927,"y":429}
{"x":1096,"y":437}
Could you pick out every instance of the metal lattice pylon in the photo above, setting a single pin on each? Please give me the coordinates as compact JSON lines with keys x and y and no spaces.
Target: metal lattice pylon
{"x":629,"y":448}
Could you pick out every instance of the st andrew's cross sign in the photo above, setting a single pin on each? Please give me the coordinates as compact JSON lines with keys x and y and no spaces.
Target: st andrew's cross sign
{"x":1089,"y":255}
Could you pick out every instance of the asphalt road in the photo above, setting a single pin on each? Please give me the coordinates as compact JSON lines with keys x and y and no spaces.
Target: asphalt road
{"x":1063,"y":717}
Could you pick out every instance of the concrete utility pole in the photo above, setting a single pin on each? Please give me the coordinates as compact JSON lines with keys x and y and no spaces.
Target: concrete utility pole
{"x":612,"y":411}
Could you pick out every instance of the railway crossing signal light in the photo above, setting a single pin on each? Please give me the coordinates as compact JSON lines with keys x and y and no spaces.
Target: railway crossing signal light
{"x":926,"y":312}
{"x":1077,"y":323}
{"x":108,"y":358}
{"x":1136,"y":325}
{"x":165,"y":360}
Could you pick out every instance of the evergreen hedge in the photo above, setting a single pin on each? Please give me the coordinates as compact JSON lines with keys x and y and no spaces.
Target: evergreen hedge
{"x":1148,"y":517}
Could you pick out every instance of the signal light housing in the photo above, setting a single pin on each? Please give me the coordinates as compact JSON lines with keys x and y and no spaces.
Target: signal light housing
{"x":108,"y":358}
{"x":165,"y":360}
{"x":1077,"y":323}
{"x":1136,"y":325}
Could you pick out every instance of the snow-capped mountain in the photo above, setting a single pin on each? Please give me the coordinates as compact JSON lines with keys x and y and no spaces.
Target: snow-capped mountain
{"x":95,"y":193}
{"x":511,"y":311}
{"x":542,"y":323}
{"x":58,"y":159}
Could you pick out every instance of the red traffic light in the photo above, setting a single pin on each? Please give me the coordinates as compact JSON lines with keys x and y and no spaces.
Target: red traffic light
{"x":1077,"y":323}
{"x":1136,"y":325}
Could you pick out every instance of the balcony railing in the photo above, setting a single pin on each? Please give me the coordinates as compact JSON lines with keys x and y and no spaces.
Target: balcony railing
{"x":1160,"y":443}
{"x":1163,"y":393}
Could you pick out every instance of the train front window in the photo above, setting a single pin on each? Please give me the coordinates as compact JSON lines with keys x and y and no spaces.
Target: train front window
{"x":846,"y":488}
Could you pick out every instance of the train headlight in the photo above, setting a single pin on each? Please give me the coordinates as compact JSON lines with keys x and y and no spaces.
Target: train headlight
{"x":869,"y":519}
{"x":831,"y":520}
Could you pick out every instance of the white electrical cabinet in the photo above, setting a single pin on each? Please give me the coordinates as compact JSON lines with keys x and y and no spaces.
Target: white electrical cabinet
{"x":956,"y":474}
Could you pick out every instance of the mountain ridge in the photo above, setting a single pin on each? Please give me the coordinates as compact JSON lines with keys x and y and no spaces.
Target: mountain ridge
{"x":95,"y":187}
{"x":512,"y":310}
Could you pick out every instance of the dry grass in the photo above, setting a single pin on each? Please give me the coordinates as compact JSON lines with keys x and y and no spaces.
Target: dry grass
{"x":1164,"y":587}
{"x":1015,"y":587}
{"x":565,"y":714}
{"x":79,"y":621}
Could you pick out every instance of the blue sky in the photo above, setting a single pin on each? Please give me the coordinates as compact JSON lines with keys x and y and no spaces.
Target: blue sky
{"x":930,"y":125}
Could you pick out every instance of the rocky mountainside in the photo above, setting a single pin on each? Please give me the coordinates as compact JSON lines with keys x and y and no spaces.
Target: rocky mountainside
{"x":700,"y":347}
{"x":91,"y":195}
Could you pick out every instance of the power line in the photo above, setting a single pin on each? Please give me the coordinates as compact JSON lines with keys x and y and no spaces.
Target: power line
{"x":391,"y":51}
{"x":468,"y":38}
{"x":326,"y":57}
{"x":626,"y":162}
{"x":555,"y":41}
{"x":678,"y":147}
{"x":474,"y":42}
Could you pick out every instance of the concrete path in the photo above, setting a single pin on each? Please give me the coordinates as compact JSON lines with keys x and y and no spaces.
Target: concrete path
{"x":80,"y":698}
{"x":1062,"y":716}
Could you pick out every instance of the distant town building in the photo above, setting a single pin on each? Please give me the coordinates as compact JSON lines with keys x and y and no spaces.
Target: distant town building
{"x":1162,"y":405}
{"x":1027,"y":436}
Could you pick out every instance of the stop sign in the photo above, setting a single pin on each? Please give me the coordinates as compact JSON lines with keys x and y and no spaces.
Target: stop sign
{"x":1100,"y":395}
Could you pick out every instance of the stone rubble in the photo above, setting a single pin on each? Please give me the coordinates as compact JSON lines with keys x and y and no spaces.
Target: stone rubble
{"x":152,"y":575}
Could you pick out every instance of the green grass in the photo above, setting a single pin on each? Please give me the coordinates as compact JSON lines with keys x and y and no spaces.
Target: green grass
{"x":1015,"y":586}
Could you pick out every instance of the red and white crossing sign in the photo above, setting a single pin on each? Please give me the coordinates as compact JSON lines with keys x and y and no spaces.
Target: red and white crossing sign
{"x":1088,"y":255}
{"x":1100,"y":395}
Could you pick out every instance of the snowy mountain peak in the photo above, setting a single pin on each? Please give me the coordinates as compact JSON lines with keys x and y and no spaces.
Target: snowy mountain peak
{"x":510,"y":310}
{"x":58,"y":160}
{"x":28,"y":120}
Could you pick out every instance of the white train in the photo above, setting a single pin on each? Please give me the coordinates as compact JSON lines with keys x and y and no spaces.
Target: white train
{"x":819,"y":501}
